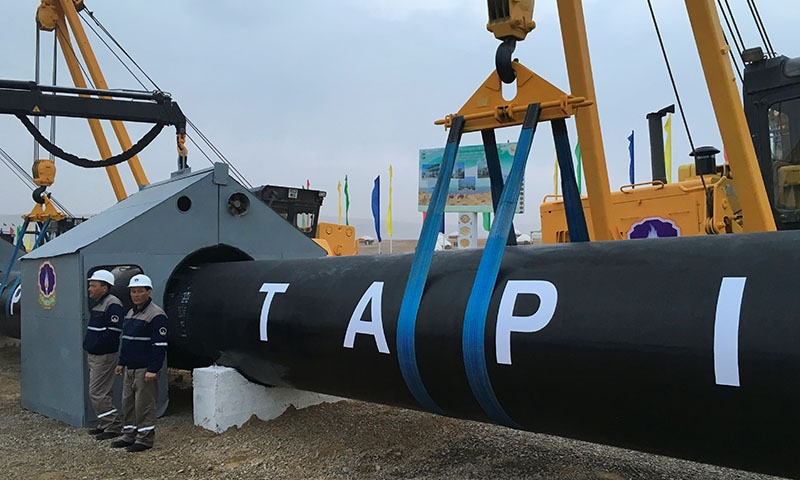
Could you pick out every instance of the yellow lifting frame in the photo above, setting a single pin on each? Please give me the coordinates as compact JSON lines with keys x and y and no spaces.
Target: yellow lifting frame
{"x":487,"y":109}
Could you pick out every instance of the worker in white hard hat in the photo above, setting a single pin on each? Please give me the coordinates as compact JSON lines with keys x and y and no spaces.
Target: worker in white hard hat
{"x":102,"y":352}
{"x":141,"y":356}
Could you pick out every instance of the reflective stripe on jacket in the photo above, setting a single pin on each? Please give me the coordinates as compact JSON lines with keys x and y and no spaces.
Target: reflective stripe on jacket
{"x":144,"y":338}
{"x":105,"y":326}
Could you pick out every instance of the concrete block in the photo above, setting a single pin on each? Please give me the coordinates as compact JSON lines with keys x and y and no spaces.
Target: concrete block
{"x":223,"y":398}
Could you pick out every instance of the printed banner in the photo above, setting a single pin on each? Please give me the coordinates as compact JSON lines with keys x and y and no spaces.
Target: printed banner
{"x":470,"y":188}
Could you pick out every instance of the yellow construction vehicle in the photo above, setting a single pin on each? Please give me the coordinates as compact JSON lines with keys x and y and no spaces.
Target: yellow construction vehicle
{"x":746,"y":192}
{"x":300,"y":207}
{"x":742,"y":195}
{"x":695,"y":205}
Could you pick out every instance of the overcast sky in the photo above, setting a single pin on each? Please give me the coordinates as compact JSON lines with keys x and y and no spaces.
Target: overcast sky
{"x":305,"y":90}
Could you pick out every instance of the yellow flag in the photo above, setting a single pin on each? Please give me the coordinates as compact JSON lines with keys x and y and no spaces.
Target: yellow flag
{"x":28,"y":241}
{"x":555,"y":177}
{"x":339,"y":189}
{"x":389,"y":213}
{"x":668,"y":147}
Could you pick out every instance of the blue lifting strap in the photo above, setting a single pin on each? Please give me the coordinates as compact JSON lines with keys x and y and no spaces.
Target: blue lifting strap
{"x":473,"y":339}
{"x":418,"y":275}
{"x":39,"y":239}
{"x":495,"y":175}
{"x":573,"y":209}
{"x":14,"y":254}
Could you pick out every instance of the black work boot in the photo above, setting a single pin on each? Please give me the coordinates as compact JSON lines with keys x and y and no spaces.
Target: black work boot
{"x":137,"y":447}
{"x":121,"y":444}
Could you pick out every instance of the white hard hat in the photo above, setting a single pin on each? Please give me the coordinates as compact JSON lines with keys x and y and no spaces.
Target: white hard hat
{"x":140,"y":281}
{"x":103,"y":276}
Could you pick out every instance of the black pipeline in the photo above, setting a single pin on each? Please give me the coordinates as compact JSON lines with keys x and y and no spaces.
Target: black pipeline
{"x":687,"y":347}
{"x":10,"y":305}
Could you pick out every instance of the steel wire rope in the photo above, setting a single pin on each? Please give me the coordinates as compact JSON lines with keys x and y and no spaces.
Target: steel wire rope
{"x":738,"y":48}
{"x":762,"y":30}
{"x":36,"y":69}
{"x":735,"y":26}
{"x":236,"y":173}
{"x":23,"y":175}
{"x":672,"y":80}
{"x":55,"y":81}
{"x":241,"y":177}
{"x":17,"y":170}
{"x":86,"y":75}
{"x":671,"y":76}
{"x":121,"y":48}
{"x":730,"y":22}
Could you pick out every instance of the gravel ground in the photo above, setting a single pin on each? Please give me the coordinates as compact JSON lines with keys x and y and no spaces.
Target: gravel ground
{"x":348,"y":439}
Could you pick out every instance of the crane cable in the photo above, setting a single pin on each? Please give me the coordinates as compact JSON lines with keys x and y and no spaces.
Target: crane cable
{"x":235,"y":172}
{"x":733,"y":27}
{"x":671,"y":76}
{"x":25,"y":178}
{"x":37,"y":79}
{"x":677,"y":95}
{"x":762,"y":30}
{"x":8,"y":160}
{"x":733,"y":30}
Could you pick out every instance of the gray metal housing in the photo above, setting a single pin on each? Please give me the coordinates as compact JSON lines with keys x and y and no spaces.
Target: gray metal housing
{"x":154,"y":230}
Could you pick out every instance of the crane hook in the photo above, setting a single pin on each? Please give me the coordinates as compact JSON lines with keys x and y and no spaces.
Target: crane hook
{"x":39,"y":194}
{"x":503,"y":61}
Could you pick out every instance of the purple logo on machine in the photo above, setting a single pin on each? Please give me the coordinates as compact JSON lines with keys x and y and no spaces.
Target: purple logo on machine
{"x":654,"y":228}
{"x":47,"y":284}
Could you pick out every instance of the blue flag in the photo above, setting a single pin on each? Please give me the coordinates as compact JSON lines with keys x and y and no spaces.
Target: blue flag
{"x":630,"y":152}
{"x":376,"y":206}
{"x":441,"y":225}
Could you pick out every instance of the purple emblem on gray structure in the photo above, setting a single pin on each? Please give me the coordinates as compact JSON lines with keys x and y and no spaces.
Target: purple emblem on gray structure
{"x":654,"y":228}
{"x":47,"y":279}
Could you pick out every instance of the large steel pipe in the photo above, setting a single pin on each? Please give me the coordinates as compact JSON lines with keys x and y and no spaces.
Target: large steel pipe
{"x":687,"y":347}
{"x":10,"y":305}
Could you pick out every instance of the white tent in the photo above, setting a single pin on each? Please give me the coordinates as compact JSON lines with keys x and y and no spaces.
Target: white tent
{"x":442,"y":243}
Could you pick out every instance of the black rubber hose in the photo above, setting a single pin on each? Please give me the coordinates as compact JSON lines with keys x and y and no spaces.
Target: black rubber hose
{"x":84,"y":162}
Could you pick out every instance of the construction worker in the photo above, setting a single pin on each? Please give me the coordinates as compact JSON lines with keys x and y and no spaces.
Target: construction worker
{"x":102,"y":351}
{"x":141,"y":355}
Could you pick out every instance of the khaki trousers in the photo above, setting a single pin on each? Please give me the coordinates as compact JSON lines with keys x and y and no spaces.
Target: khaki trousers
{"x":138,"y":407}
{"x":101,"y":386}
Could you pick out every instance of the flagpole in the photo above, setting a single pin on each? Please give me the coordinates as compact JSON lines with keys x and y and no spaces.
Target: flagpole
{"x":668,"y":148}
{"x":339,"y":189}
{"x":389,"y":211}
{"x":376,"y":209}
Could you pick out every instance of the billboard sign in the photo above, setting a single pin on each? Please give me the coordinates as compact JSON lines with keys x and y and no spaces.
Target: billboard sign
{"x":469,"y":189}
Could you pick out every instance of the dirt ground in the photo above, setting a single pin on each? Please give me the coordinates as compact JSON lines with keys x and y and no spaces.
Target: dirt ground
{"x":344,"y":440}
